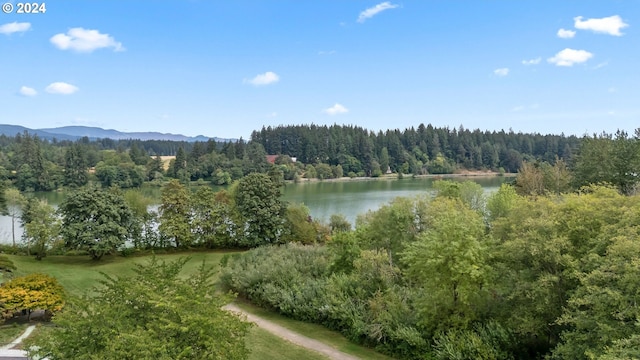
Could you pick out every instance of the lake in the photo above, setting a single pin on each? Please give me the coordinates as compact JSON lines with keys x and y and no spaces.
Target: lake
{"x":351,"y":198}
{"x":324,"y":198}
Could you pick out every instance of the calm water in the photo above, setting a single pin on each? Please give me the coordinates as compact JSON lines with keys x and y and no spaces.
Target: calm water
{"x":352,"y":198}
{"x":348,"y":198}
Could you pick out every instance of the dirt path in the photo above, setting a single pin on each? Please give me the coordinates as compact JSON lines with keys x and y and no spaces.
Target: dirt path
{"x":293,"y":336}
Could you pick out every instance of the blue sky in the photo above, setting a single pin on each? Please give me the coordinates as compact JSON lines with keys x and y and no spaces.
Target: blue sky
{"x":225,"y":68}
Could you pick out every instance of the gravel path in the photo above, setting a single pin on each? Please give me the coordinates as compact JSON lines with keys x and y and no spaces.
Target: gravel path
{"x":292,"y":336}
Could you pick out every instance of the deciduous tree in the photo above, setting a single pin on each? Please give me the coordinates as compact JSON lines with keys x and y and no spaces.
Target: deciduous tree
{"x":257,"y":201}
{"x":32,"y":292}
{"x":154,"y":314}
{"x":42,"y":228}
{"x":175,"y":213}
{"x":449,"y":262}
{"x":96,"y":220}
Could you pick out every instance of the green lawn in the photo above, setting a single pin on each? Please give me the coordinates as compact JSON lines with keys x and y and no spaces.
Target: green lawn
{"x":10,"y":332}
{"x":314,"y":331}
{"x":78,"y":274}
{"x":266,"y":346}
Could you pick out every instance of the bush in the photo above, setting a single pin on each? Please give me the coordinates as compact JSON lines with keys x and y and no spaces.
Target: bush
{"x":10,"y":249}
{"x":486,"y":341}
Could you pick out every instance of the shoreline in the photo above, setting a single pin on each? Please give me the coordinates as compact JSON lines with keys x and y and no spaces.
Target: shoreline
{"x":473,"y":174}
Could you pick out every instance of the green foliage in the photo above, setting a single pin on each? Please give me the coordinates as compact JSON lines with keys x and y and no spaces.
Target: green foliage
{"x":6,"y":268}
{"x":213,"y":223}
{"x":488,"y":342}
{"x":604,"y":159}
{"x":530,"y":180}
{"x":95,"y":220}
{"x":346,"y":249}
{"x":257,"y":201}
{"x":32,"y":168}
{"x":155,"y":168}
{"x":367,"y":304}
{"x":43,"y":227}
{"x":175,"y":214}
{"x":310,"y":172}
{"x":469,"y":192}
{"x":395,"y":225}
{"x":541,"y":178}
{"x":448,"y":262}
{"x":339,"y":223}
{"x":75,"y":167}
{"x":298,"y":226}
{"x":628,"y":348}
{"x":500,"y":203}
{"x":603,"y":308}
{"x":154,"y":314}
{"x":533,"y":270}
{"x":288,"y":278}
{"x":3,"y":197}
{"x":323,"y":171}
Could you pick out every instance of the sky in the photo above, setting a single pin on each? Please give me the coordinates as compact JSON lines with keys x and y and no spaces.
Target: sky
{"x":226,"y":68}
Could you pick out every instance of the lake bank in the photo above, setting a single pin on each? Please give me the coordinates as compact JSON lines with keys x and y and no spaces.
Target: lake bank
{"x":461,"y":175}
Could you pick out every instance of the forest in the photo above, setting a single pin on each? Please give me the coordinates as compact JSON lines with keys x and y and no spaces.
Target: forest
{"x":322,"y":152}
{"x":546,"y":267}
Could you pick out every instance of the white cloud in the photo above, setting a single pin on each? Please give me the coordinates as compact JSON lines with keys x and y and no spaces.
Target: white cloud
{"x":608,"y":25}
{"x":517,"y":108}
{"x":14,"y":27}
{"x":501,"y":72}
{"x":61,"y":88}
{"x":330,"y":52}
{"x":27,"y":91}
{"x":612,"y":90}
{"x":335,"y":110}
{"x":373,"y":11}
{"x":264,"y":79}
{"x":272,"y":115}
{"x":566,"y":34}
{"x":84,"y":40}
{"x":569,"y":57}
{"x":535,"y":61}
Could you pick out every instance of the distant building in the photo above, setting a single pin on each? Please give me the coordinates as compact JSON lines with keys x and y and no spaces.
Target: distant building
{"x":272,"y":159}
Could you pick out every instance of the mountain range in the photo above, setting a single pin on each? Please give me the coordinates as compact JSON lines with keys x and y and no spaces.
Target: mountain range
{"x":93,"y":133}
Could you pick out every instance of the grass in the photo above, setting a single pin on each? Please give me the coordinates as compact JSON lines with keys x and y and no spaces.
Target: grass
{"x":10,"y":332}
{"x":79,"y":274}
{"x":266,"y":346}
{"x":314,"y":331}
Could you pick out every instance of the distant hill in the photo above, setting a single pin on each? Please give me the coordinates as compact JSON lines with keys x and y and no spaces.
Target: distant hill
{"x":13,"y":130}
{"x":93,"y":133}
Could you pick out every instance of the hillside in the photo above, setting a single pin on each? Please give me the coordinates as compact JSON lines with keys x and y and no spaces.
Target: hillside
{"x":93,"y":133}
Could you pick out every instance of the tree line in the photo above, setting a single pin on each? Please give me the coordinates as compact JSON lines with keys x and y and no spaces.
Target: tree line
{"x":33,"y":164}
{"x":421,"y":150}
{"x":98,"y":221}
